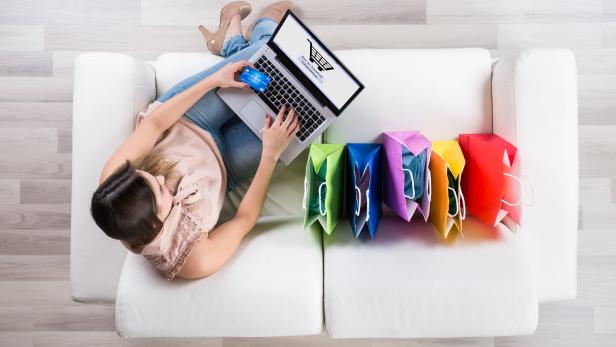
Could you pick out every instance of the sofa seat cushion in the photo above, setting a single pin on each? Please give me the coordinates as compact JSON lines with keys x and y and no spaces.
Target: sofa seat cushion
{"x":408,"y":283}
{"x":272,"y":287}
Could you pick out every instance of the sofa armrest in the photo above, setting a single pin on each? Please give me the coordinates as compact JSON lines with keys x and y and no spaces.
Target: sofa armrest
{"x":535,"y":106}
{"x":109,"y":88}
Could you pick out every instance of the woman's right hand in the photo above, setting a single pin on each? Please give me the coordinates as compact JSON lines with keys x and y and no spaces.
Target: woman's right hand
{"x":279,"y":133}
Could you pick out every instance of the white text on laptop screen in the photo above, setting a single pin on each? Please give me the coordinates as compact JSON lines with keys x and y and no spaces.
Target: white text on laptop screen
{"x":315,"y":63}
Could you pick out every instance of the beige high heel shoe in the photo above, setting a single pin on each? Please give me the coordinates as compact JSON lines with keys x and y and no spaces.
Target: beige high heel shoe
{"x":216,"y":40}
{"x":280,"y":7}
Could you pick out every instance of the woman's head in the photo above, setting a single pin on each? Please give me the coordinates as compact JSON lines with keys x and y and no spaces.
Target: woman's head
{"x":131,"y":204}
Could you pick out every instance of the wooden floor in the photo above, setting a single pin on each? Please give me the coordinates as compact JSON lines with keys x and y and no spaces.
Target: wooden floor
{"x":39,"y":39}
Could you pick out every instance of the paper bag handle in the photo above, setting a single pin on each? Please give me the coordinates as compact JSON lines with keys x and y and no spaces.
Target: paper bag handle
{"x":429,"y":188}
{"x":412,"y":184}
{"x":305,"y":194}
{"x":321,"y":209}
{"x":367,"y":204}
{"x":455,"y":195}
{"x":358,"y":199}
{"x":462,"y":206}
{"x":517,"y":179}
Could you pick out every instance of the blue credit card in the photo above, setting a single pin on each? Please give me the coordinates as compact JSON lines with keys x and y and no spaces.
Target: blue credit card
{"x":255,"y":79}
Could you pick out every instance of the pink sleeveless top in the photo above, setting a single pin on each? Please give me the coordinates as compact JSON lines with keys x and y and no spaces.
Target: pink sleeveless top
{"x":199,"y":192}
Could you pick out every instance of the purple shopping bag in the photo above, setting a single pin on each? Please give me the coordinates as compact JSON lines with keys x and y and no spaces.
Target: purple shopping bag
{"x":395,"y":145}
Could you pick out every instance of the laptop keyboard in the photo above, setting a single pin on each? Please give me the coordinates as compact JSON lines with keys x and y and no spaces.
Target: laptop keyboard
{"x":281,"y":92}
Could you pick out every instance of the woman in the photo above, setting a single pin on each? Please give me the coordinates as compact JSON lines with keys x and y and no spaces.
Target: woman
{"x":162,"y":190}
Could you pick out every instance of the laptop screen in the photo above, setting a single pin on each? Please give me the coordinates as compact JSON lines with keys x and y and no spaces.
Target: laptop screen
{"x":315,"y":62}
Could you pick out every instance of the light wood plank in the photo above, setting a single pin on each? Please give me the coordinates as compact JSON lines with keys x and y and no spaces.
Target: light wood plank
{"x":519,"y":11}
{"x":407,"y":36}
{"x":597,"y":87}
{"x":596,"y":242}
{"x":34,"y":242}
{"x":597,"y":112}
{"x":124,"y":38}
{"x":595,"y":191}
{"x":90,"y":317}
{"x":48,"y":191}
{"x":596,"y":280}
{"x":35,"y":166}
{"x":35,"y":114}
{"x":21,"y":37}
{"x":467,"y":342}
{"x":47,"y":12}
{"x":596,"y":61}
{"x":16,"y":319}
{"x":36,"y":89}
{"x":560,"y":340}
{"x":9,"y":191}
{"x":34,"y":267}
{"x":597,"y":138}
{"x":27,"y":140}
{"x":605,"y":320}
{"x":34,"y":216}
{"x":111,"y":339}
{"x":65,"y":140}
{"x":577,"y":35}
{"x":25,"y":64}
{"x":14,"y":339}
{"x":36,"y":293}
{"x":609,"y":34}
{"x":565,"y":318}
{"x":609,"y":10}
{"x":195,"y":12}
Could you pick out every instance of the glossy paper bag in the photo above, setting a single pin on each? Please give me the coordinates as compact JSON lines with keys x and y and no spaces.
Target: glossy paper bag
{"x":395,"y":143}
{"x":364,"y":186}
{"x":491,"y":183}
{"x":447,"y":207}
{"x":323,"y":186}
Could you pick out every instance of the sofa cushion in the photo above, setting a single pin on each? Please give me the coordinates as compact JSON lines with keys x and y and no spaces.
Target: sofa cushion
{"x":272,"y":287}
{"x":408,"y":283}
{"x":441,"y":92}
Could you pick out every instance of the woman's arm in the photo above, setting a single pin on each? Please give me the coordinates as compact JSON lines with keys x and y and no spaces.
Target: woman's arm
{"x":211,"y":253}
{"x":143,"y":139}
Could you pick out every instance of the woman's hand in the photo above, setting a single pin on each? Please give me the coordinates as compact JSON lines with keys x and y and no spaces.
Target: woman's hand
{"x":279,"y":133}
{"x":226,"y":76}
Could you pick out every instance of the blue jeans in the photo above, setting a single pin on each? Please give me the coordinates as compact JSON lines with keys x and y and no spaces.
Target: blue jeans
{"x":239,"y":146}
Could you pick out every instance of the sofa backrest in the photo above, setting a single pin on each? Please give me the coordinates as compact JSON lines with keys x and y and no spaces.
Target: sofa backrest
{"x":440,"y":92}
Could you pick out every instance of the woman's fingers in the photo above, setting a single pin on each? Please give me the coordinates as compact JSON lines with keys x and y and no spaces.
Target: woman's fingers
{"x":294,"y":120}
{"x":268,"y":121}
{"x":280,"y":116}
{"x":288,"y":119}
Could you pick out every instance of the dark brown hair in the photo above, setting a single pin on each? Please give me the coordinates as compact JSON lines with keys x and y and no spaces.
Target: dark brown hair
{"x":124,"y":206}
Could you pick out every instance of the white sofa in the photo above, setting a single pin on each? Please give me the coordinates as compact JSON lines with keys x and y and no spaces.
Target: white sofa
{"x":406,"y":283}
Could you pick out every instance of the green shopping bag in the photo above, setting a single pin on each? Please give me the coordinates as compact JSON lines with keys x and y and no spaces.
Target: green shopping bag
{"x":323,"y":186}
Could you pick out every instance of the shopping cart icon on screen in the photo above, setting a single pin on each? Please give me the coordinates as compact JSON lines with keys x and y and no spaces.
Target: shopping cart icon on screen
{"x":316,"y":57}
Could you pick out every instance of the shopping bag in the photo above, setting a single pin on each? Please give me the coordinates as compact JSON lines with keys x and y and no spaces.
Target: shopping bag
{"x":364,"y":186}
{"x":447,"y":206}
{"x":492,"y":186}
{"x":407,"y":173}
{"x":323,"y":186}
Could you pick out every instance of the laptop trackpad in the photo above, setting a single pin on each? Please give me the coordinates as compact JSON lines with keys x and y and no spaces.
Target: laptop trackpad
{"x":254,"y":114}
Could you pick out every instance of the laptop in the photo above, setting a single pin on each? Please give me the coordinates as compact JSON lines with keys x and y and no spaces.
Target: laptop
{"x":306,"y":76}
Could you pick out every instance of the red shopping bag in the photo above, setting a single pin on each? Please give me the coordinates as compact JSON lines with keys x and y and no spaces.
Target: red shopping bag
{"x":491,"y":183}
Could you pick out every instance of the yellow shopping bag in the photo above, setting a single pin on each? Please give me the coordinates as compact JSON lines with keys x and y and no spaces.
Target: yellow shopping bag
{"x":447,"y":208}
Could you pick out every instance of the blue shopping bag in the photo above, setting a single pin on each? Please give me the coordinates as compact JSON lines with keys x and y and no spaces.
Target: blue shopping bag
{"x":364,"y":180}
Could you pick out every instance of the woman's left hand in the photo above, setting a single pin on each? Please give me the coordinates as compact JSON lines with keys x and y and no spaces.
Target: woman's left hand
{"x":226,"y":76}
